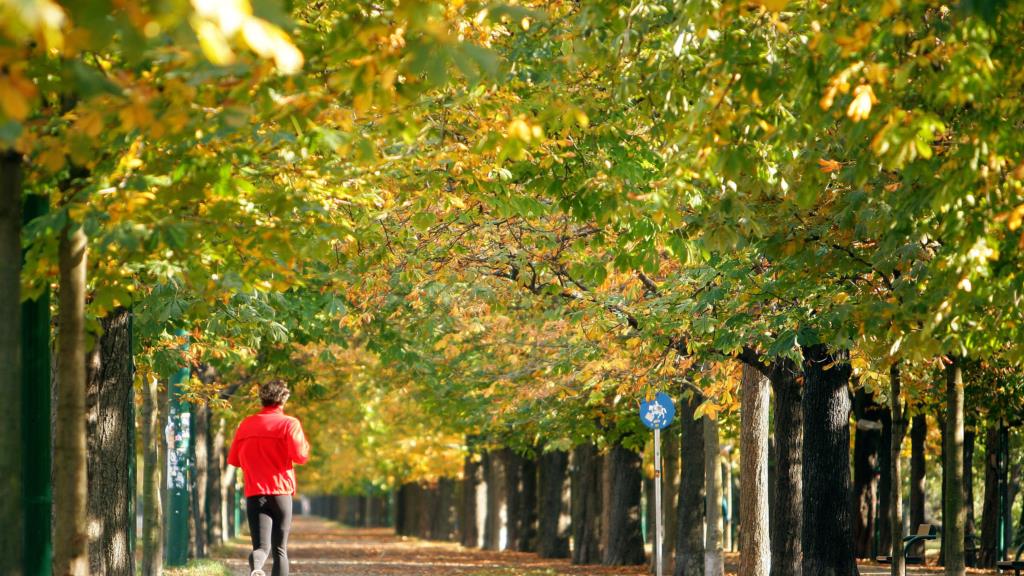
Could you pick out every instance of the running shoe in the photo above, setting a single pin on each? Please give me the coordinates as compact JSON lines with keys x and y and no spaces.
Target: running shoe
{"x":258,"y":572}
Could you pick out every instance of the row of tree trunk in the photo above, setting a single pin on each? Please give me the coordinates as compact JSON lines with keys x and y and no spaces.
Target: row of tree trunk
{"x":357,"y":511}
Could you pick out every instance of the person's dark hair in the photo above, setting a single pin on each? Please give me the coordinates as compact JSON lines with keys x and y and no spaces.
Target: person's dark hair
{"x":274,"y":393}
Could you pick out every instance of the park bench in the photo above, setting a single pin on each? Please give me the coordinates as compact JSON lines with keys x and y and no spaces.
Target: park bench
{"x":924,"y":532}
{"x":1017,"y":565}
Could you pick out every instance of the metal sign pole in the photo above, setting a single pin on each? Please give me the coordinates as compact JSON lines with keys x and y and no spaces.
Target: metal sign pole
{"x":659,"y":534}
{"x":176,"y":519}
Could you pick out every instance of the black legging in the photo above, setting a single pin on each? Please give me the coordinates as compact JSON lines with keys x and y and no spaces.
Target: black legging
{"x":270,"y":520}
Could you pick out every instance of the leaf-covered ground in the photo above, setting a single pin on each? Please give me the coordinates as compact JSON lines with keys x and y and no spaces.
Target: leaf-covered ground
{"x":321,"y":547}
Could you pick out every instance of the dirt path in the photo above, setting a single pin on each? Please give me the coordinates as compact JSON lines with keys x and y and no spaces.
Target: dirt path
{"x":321,"y":547}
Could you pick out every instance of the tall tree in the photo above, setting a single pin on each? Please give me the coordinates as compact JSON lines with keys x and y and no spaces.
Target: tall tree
{"x":110,"y":429}
{"x":954,"y":512}
{"x":918,"y":435}
{"x":895,"y":518}
{"x":689,"y":545}
{"x":754,"y":537}
{"x":152,"y":483}
{"x":70,"y":485}
{"x":625,"y":539}
{"x":714,"y":562}
{"x":866,"y":446}
{"x":586,"y":504}
{"x":828,"y":526}
{"x":555,"y":502}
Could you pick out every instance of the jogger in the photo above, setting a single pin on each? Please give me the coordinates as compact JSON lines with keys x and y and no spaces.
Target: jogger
{"x":270,"y":520}
{"x":266,"y":447}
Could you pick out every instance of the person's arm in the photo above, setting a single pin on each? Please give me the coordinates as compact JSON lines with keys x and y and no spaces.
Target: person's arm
{"x":233,"y":452}
{"x":298,"y":448}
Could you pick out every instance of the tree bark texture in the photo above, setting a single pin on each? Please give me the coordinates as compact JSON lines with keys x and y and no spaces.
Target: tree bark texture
{"x":895,"y":518}
{"x":586,"y":504}
{"x":990,"y":508}
{"x":954,"y":513}
{"x":970,"y":533}
{"x":110,"y":427}
{"x":474,"y":502}
{"x":918,"y":435}
{"x":714,"y":564}
{"x":828,"y":526}
{"x":554,"y":522}
{"x":884,"y":503}
{"x":215,"y":482}
{"x":522,"y":494}
{"x":11,"y":501}
{"x":496,"y":527}
{"x":689,"y":556}
{"x":755,"y":543}
{"x":152,"y":469}
{"x":670,"y":483}
{"x":200,"y":423}
{"x":866,"y":446}
{"x":70,"y":468}
{"x":786,"y":522}
{"x":625,"y":538}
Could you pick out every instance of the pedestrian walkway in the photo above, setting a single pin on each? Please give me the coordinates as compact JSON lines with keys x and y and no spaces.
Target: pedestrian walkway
{"x":320,"y":547}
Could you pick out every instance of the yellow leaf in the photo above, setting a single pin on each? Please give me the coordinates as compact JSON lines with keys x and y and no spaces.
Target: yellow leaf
{"x":12,"y":101}
{"x":863,"y":99}
{"x":773,"y":5}
{"x":269,"y":41}
{"x":213,"y":43}
{"x":52,"y":158}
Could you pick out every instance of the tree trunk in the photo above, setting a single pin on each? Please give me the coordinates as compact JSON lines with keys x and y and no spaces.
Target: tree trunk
{"x":586,"y":504}
{"x":215,"y":482}
{"x":827,"y":527}
{"x":514,"y":493}
{"x":896,"y":493}
{"x":70,"y":473}
{"x":755,"y":546}
{"x":625,"y":538}
{"x":970,"y":534}
{"x":528,"y":506}
{"x":689,"y":557}
{"x":714,"y":564}
{"x":553,"y":537}
{"x":885,"y":484}
{"x":954,"y":514}
{"x":786,"y":522}
{"x":200,"y":421}
{"x":11,"y":501}
{"x":442,"y":526}
{"x":606,"y":498}
{"x":110,"y":426}
{"x":990,"y":509}
{"x":670,"y":483}
{"x":152,"y":469}
{"x":866,"y":445}
{"x":496,"y":529}
{"x":1012,"y":488}
{"x":918,"y":435}
{"x":474,"y":502}
{"x":729,"y":513}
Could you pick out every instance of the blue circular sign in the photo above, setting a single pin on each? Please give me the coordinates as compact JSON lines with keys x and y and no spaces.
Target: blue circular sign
{"x":658,"y":413}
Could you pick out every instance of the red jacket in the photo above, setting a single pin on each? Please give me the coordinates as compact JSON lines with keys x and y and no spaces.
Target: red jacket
{"x":266,"y":447}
